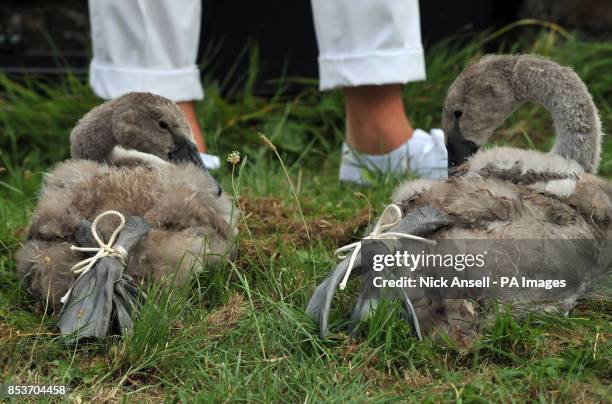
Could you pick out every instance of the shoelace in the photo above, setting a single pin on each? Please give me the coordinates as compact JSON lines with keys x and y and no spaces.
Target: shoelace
{"x":104,"y":249}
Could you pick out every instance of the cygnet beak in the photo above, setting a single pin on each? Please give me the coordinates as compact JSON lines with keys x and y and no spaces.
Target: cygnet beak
{"x":459,"y":150}
{"x":185,"y":151}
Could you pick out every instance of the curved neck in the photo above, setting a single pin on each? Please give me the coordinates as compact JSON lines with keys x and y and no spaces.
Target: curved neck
{"x":565,"y":96}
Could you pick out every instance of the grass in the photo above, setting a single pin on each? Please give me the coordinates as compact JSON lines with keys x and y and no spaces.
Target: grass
{"x":239,"y":332}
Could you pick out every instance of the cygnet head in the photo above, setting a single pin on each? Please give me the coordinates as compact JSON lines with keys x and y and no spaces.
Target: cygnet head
{"x":139,"y":127}
{"x":489,"y":91}
{"x":477,"y":103}
{"x":142,"y":122}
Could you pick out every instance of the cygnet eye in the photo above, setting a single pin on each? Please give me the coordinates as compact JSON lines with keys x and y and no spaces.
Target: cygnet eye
{"x":163,"y":125}
{"x":458,"y":113}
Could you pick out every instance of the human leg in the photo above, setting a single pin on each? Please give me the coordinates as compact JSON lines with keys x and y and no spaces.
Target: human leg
{"x":369,"y":48}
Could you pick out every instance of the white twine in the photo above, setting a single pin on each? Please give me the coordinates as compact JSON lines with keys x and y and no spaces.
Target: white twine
{"x":378,"y":233}
{"x":104,"y":249}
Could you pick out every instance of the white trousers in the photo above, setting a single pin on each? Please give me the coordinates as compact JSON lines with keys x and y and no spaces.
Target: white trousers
{"x":151,"y":45}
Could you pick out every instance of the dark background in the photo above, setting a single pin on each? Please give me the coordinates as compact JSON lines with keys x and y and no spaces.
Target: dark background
{"x":50,"y":38}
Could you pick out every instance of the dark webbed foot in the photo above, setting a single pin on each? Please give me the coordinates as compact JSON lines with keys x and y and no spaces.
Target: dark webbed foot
{"x":320,"y":302}
{"x":420,"y":222}
{"x":104,"y":299}
{"x":127,"y":301}
{"x":87,"y":312}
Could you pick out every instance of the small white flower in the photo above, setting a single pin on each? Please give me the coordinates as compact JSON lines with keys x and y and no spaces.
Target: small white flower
{"x":233,"y":157}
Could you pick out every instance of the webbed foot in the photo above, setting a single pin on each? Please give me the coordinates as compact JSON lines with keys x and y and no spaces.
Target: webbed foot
{"x":419,"y":222}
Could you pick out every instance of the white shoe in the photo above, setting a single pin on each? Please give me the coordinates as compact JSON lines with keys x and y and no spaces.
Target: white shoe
{"x":424,"y":154}
{"x":427,"y":154}
{"x":211,"y":161}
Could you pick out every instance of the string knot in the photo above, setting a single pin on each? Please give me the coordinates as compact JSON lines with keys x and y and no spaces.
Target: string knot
{"x":390,"y":217}
{"x":103,"y":249}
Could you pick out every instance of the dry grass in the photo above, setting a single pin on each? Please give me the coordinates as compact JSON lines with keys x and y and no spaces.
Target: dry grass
{"x":225,"y":317}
